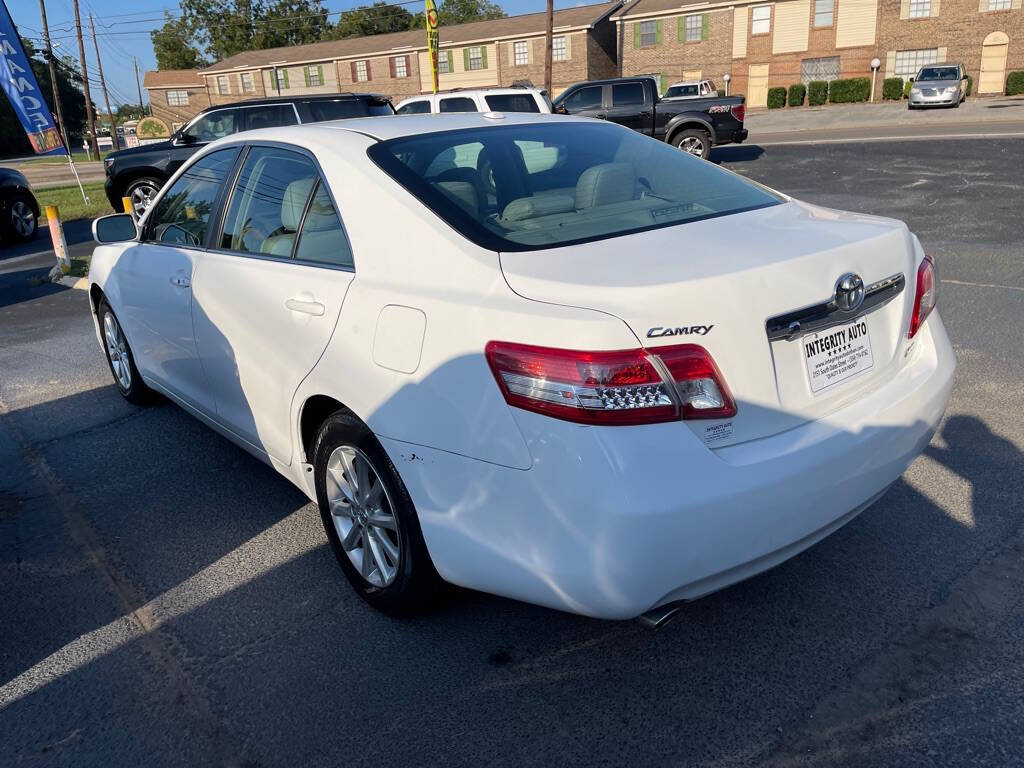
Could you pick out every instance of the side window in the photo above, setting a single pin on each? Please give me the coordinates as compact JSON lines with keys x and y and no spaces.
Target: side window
{"x":627,"y":95}
{"x":270,"y":116}
{"x":213,"y":126}
{"x":584,"y":98}
{"x":322,"y":238}
{"x":268,"y":202}
{"x":337,"y":109}
{"x":183,"y":213}
{"x":458,"y":104}
{"x":512,"y":102}
{"x":421,"y":107}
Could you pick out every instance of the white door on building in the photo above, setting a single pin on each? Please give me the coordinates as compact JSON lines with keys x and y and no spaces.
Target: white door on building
{"x":993,"y":63}
{"x":757,"y":85}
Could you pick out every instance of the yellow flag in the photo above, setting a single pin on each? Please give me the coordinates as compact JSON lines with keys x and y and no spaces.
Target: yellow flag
{"x":432,"y":40}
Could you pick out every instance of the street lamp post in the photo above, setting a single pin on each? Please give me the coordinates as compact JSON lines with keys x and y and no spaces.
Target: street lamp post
{"x":875,"y":64}
{"x":727,"y":77}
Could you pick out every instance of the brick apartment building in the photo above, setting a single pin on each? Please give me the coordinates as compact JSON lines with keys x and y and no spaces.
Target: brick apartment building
{"x":766,"y":44}
{"x":176,"y":95}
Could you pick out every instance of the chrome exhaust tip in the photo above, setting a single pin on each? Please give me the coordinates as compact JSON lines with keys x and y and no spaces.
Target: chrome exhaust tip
{"x":660,"y":616}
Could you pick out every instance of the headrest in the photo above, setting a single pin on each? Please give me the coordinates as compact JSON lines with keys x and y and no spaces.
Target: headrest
{"x":605,"y":184}
{"x":294,"y":203}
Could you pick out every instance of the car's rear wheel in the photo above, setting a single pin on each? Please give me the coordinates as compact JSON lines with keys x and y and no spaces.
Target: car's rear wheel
{"x":370,"y":519}
{"x":22,"y":222}
{"x":120,"y":359}
{"x":693,"y":141}
{"x":141,"y":193}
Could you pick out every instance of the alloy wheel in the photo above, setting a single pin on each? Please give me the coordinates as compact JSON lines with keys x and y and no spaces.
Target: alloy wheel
{"x":117,"y":351}
{"x":141,"y":197}
{"x":692,"y":145}
{"x":23,"y":219}
{"x":363,"y":515}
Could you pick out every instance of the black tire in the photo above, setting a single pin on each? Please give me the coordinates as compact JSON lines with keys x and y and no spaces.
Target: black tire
{"x":136,"y":392}
{"x":416,"y":584}
{"x":137,"y":186}
{"x":22,"y":217}
{"x":690,"y":137}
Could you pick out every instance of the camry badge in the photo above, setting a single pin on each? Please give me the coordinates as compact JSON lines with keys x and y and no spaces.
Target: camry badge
{"x":849,"y":292}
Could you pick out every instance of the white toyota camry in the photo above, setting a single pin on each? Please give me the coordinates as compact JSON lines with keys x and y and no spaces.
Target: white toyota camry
{"x":543,"y":357}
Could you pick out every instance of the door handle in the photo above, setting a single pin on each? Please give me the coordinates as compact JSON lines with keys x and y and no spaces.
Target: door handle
{"x":645,"y":114}
{"x":181,"y":282}
{"x":314,"y":308}
{"x":601,"y":116}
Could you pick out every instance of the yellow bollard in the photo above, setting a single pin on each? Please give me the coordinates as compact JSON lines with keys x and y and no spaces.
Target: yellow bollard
{"x":127,"y":203}
{"x":60,"y":246}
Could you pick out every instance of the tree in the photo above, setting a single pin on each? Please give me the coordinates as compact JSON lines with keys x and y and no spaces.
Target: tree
{"x":175,"y":44}
{"x":72,"y":102}
{"x":376,"y":19}
{"x":129,"y":112}
{"x":247,"y":25}
{"x":461,"y":11}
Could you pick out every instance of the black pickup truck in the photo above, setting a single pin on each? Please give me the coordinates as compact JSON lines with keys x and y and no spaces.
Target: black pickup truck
{"x":693,"y":125}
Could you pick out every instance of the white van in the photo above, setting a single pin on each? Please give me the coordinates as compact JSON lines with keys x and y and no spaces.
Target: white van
{"x":486,"y":100}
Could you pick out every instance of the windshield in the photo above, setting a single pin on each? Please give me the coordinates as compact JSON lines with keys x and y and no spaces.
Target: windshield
{"x":529,"y":187}
{"x":938,"y":73}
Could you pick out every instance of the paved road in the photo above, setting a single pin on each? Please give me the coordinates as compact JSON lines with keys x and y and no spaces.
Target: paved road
{"x":169,"y":601}
{"x":44,"y":175}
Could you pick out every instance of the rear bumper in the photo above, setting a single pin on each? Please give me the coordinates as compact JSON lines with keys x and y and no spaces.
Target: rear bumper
{"x":611,"y":522}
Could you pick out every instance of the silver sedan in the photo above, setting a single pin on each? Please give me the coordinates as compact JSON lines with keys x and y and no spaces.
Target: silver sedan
{"x":939,"y":85}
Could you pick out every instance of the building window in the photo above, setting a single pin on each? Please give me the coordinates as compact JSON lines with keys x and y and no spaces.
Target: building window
{"x":444,"y":62}
{"x":362,"y":72}
{"x":908,"y":62}
{"x":824,"y":13}
{"x":558,"y":50}
{"x":177,"y":98}
{"x":999,"y":5}
{"x":313,"y":76}
{"x":825,"y":68}
{"x":280,"y":78}
{"x":475,"y":57}
{"x":222,"y":85}
{"x":694,"y":28}
{"x":247,"y":84}
{"x":401,"y":66}
{"x":920,"y":9}
{"x":761,"y":20}
{"x":521,"y":53}
{"x":648,"y":33}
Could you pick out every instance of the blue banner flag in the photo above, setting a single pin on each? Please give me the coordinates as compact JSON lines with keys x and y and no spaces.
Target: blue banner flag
{"x":22,"y":88}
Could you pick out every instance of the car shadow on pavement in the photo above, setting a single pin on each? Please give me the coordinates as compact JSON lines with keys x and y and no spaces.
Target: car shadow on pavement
{"x":27,"y":285}
{"x":736,"y":153}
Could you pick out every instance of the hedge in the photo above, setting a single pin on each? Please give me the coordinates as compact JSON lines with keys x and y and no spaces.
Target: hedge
{"x":892,"y":88}
{"x":970,"y":85}
{"x":776,"y":98}
{"x":817,"y":92}
{"x":852,"y":89}
{"x":796,"y":94}
{"x":1015,"y":83}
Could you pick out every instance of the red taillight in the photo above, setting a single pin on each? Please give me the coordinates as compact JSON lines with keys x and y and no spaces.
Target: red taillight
{"x":739,"y":111}
{"x":927,"y":294}
{"x":621,"y":387}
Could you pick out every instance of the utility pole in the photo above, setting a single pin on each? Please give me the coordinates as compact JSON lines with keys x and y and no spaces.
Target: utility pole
{"x":89,"y":115}
{"x":138,"y":87}
{"x":53,"y":79}
{"x":103,"y":85}
{"x":547,"y":46}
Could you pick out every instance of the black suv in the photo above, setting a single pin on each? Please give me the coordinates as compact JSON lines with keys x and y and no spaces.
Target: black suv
{"x":139,"y":172}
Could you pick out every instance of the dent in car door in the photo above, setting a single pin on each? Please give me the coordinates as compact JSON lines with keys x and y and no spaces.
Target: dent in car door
{"x":267,"y":300}
{"x":154,"y":279}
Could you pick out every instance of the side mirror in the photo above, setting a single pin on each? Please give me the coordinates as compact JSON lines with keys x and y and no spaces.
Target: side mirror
{"x":116,"y":228}
{"x":560,"y":110}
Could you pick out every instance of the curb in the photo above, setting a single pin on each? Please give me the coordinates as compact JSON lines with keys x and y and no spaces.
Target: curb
{"x":78,"y":283}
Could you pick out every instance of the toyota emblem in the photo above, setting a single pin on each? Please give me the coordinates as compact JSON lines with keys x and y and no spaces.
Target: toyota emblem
{"x":849,"y":292}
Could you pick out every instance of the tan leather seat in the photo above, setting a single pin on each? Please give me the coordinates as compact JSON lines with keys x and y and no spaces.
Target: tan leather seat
{"x":293,"y":204}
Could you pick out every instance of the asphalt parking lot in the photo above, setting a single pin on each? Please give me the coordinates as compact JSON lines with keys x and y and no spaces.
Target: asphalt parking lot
{"x":168,"y":600}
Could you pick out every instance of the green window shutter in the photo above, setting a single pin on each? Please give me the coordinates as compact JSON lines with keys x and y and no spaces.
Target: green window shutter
{"x":681,"y":29}
{"x":305,"y":74}
{"x":320,"y":73}
{"x":664,"y":83}
{"x":483,"y":55}
{"x":451,"y":66}
{"x":636,"y":34}
{"x":657,"y":36}
{"x":285,"y":73}
{"x":465,"y":59}
{"x":704,"y":26}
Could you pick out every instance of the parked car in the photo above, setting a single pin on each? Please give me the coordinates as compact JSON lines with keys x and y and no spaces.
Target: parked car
{"x":19,"y":211}
{"x":484,"y":100}
{"x":618,"y":379}
{"x":692,"y":125}
{"x":139,"y":172}
{"x":693,"y":89}
{"x":939,"y":85}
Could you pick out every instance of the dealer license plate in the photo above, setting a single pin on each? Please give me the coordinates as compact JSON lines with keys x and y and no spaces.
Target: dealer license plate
{"x":838,"y":354}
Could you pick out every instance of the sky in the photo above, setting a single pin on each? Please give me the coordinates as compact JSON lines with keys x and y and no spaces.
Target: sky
{"x":123,"y":28}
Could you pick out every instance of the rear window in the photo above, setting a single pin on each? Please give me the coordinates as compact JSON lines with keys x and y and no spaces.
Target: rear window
{"x":460,"y":104}
{"x":341,"y":109}
{"x":415,"y":108}
{"x":512,"y":102}
{"x":529,"y":187}
{"x":681,"y":90}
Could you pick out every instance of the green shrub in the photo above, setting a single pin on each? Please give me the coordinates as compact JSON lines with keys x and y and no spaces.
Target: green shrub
{"x":970,"y":84}
{"x":849,"y":90}
{"x":817,"y":92}
{"x":776,"y":98}
{"x":892,"y":88}
{"x":796,"y":94}
{"x":1015,"y":83}
{"x":906,"y":88}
